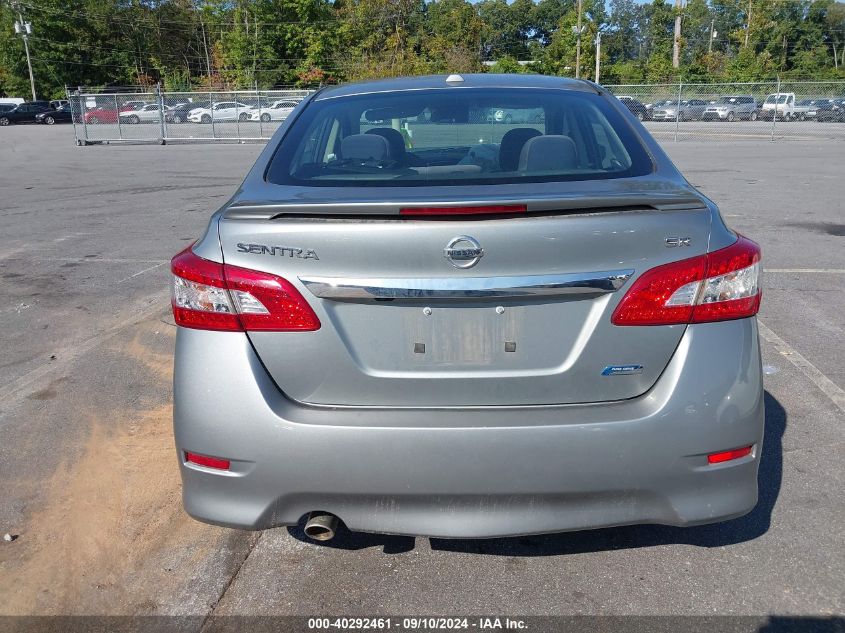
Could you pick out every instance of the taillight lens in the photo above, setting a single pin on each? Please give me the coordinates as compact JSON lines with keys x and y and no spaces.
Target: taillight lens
{"x":718,"y":286}
{"x":212,"y":296}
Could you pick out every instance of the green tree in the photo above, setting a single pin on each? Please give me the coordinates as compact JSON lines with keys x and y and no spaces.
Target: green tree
{"x":453,"y":38}
{"x":559,"y":57}
{"x":381,"y":38}
{"x":502,"y":34}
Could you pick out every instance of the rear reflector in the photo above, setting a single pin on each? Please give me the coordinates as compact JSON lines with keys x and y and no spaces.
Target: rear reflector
{"x":477,"y":210}
{"x":212,"y":296}
{"x":718,"y":286}
{"x":726,"y":456}
{"x":208,"y":462}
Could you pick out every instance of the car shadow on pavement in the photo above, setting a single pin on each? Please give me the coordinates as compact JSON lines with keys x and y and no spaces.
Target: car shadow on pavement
{"x":805,"y":624}
{"x":745,"y":528}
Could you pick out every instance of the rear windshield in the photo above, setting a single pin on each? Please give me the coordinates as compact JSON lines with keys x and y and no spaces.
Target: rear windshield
{"x":458,"y":136}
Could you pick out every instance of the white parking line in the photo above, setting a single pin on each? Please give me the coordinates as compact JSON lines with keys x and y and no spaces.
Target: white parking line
{"x":828,"y":387}
{"x":141,"y":272}
{"x":105,"y":260}
{"x":19,"y":387}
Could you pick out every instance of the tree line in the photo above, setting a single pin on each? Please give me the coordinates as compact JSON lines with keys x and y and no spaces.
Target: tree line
{"x":227,"y":44}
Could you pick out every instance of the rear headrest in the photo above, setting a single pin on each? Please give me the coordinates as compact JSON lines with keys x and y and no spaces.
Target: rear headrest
{"x":548,"y":153}
{"x":364,"y":147}
{"x":394,"y":138}
{"x":511,"y":146}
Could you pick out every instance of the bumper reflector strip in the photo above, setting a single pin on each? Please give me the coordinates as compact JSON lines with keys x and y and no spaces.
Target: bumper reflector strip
{"x":208,"y":462}
{"x":726,"y":456}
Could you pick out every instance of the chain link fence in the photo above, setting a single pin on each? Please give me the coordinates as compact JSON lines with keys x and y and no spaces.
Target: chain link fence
{"x":735,"y":111}
{"x":672,"y":112}
{"x":240,"y":116}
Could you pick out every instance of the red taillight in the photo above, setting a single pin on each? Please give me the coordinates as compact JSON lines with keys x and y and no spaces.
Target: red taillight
{"x":731,"y":289}
{"x":487,"y":209}
{"x":721,"y":285}
{"x":726,"y":456}
{"x":208,"y":462}
{"x":200,"y":299}
{"x":212,"y":296}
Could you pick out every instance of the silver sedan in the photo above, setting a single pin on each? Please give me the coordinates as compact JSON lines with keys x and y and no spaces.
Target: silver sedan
{"x":409,"y":320}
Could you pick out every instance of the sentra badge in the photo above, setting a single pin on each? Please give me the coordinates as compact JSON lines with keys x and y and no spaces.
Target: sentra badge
{"x":281,"y":251}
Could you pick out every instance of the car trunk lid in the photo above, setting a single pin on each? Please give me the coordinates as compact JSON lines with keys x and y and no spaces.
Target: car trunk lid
{"x":482,"y":310}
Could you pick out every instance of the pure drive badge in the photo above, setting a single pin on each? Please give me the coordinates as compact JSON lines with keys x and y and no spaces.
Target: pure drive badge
{"x":621,"y":370}
{"x":281,"y":251}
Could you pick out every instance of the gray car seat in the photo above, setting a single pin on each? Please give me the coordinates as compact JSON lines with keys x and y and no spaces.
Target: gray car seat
{"x":548,"y":153}
{"x":365,"y":147}
{"x":511,"y":146}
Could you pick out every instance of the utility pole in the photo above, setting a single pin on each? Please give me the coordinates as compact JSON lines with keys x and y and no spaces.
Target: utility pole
{"x":578,"y":44}
{"x":748,"y":23}
{"x":598,"y":56}
{"x":205,"y":46}
{"x":676,"y":46}
{"x":24,"y":29}
{"x":710,"y":41}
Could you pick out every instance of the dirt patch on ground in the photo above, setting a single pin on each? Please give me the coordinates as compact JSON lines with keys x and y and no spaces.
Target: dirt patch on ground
{"x":109,"y":534}
{"x":159,"y":363}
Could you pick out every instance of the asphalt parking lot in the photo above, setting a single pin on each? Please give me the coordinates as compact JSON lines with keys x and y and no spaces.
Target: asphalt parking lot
{"x":88,"y":471}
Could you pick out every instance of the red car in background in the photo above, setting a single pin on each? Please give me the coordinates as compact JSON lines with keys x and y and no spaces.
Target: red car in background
{"x":107,"y":113}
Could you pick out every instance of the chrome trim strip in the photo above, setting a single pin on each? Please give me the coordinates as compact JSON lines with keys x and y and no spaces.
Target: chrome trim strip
{"x":347,"y":288}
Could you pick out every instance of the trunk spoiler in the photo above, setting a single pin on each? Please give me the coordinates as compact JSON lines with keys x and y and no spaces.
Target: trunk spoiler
{"x":663,"y":201}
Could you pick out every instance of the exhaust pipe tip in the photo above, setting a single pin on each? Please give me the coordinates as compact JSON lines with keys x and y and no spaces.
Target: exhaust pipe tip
{"x":321,"y":526}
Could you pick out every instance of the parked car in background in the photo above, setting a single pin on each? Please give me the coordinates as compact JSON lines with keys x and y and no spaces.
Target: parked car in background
{"x":831,"y":110}
{"x":638,"y":108}
{"x":686,"y":110}
{"x":112,"y":105}
{"x":24,"y":113}
{"x":131,"y":106}
{"x":804,"y":109}
{"x":223,"y":111}
{"x":278,"y":111}
{"x":58,"y":103}
{"x":732,"y":108}
{"x":11,"y":101}
{"x":146,"y":114}
{"x":179,"y":113}
{"x":62,"y":114}
{"x":100,"y":114}
{"x":510,"y":116}
{"x":6,"y":107}
{"x":780,"y":105}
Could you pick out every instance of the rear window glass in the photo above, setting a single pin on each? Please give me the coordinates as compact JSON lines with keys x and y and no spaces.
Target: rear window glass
{"x":458,"y":136}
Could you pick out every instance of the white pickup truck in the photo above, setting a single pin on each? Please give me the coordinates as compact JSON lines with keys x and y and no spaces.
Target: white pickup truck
{"x":781,"y":105}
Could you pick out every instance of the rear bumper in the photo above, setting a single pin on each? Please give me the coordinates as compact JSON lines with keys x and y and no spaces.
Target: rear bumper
{"x":474,"y":472}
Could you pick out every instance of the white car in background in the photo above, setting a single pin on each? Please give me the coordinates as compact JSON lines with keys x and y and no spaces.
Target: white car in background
{"x":278,"y":111}
{"x":223,"y":111}
{"x":780,"y":105}
{"x":145,"y":114}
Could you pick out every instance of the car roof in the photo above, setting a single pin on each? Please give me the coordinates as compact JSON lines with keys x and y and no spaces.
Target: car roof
{"x":487,"y":80}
